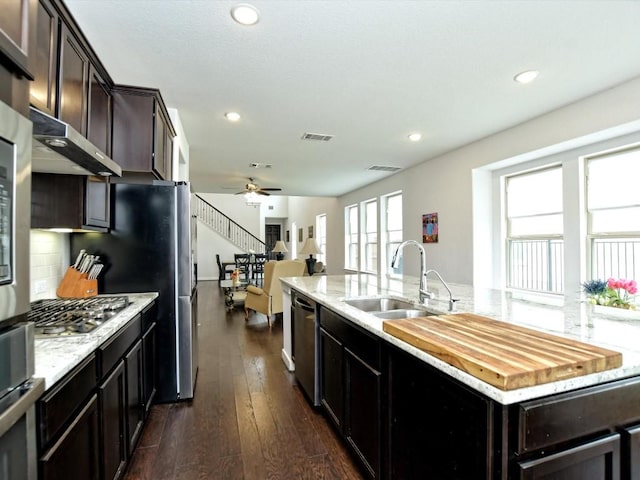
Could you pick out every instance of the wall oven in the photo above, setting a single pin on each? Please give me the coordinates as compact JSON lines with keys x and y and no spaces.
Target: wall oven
{"x":18,"y":390}
{"x":15,"y":214}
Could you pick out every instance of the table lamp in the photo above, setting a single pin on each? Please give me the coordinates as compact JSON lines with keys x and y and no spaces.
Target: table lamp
{"x":279,"y":249}
{"x":310,"y":247}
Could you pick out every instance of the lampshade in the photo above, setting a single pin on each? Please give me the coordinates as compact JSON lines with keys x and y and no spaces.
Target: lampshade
{"x":310,"y":247}
{"x":279,"y":247}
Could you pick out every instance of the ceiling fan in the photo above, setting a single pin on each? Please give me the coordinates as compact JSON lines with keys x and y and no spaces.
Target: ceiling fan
{"x":252,"y":187}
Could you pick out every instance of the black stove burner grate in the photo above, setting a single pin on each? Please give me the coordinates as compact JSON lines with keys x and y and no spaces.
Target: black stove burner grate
{"x":73,"y":316}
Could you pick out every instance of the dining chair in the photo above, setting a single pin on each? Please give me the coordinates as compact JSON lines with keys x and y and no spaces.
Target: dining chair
{"x":258,"y":267}
{"x":243,"y":264}
{"x":225,"y":269}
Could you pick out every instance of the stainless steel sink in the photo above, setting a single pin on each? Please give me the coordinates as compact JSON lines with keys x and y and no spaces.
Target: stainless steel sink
{"x":389,"y":308}
{"x":379,"y":304}
{"x":403,"y":313}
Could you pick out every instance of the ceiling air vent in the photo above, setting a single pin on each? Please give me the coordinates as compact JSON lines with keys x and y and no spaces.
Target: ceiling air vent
{"x":316,"y":136}
{"x":260,"y":165}
{"x":384,"y":168}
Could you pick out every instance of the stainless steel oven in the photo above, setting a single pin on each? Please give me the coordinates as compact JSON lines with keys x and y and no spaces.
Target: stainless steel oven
{"x":15,"y":214}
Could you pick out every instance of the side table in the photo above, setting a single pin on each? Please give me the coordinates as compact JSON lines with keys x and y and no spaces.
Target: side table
{"x":229,"y":288}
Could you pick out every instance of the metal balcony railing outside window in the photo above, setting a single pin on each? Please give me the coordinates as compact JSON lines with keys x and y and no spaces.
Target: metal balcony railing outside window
{"x":536,"y":265}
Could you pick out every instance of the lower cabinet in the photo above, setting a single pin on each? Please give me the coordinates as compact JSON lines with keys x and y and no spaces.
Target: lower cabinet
{"x":631,"y":452}
{"x":595,"y":460}
{"x":351,"y":384}
{"x":112,"y":400}
{"x":90,"y":421}
{"x":75,"y":455}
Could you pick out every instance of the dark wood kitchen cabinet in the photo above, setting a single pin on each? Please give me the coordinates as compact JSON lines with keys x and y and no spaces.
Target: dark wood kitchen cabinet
{"x":74,"y":81}
{"x":351,"y":391}
{"x":67,"y":418}
{"x":135,"y":407}
{"x":43,"y":91}
{"x":99,"y":122}
{"x":113,"y":427}
{"x":437,"y":428}
{"x":70,"y":201}
{"x":142,"y":133}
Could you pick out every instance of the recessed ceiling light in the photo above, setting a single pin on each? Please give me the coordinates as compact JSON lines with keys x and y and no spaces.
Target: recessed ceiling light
{"x":526,"y":77}
{"x":415,"y":137}
{"x":245,"y":14}
{"x":232,"y":116}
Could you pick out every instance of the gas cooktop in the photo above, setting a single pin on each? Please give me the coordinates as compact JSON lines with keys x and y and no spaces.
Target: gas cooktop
{"x":64,"y":317}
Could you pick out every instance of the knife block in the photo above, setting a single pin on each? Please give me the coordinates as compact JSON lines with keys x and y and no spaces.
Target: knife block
{"x":76,"y":285}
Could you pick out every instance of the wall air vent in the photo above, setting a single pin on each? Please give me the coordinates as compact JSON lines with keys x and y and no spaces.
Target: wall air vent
{"x":316,"y":136}
{"x":260,"y":165}
{"x":384,"y":168}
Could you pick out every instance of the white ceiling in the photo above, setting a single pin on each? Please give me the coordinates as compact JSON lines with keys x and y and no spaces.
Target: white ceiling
{"x":368,"y":72}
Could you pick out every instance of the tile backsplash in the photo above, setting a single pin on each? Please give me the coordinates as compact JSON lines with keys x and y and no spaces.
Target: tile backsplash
{"x":49,"y":260}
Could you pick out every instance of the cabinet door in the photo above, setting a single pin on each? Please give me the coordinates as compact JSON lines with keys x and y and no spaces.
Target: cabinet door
{"x":149,"y":375}
{"x":332,"y":377}
{"x":74,"y":82}
{"x":363,"y":412}
{"x":43,"y":87}
{"x":597,"y":460}
{"x":99,"y":116}
{"x":631,"y":453}
{"x":437,"y":427}
{"x":132,"y":146}
{"x":162,"y":147}
{"x":112,"y":401}
{"x":96,"y":201}
{"x":135,"y":410}
{"x":75,"y":455}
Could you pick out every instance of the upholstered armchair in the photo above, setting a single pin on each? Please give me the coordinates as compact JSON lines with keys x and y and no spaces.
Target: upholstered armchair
{"x":268,"y":300}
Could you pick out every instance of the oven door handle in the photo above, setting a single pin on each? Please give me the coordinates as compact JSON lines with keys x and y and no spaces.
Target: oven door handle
{"x":26,"y":397}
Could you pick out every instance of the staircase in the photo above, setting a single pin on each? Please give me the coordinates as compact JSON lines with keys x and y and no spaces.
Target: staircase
{"x":227,"y":228}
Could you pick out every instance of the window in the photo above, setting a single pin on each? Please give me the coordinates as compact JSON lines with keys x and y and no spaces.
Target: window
{"x":321,"y":237}
{"x":613,"y":212}
{"x":392,"y":230}
{"x":534,"y":220}
{"x":370,"y":236}
{"x":351,"y":237}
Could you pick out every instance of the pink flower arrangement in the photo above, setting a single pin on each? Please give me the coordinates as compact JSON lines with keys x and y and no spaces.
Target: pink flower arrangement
{"x":629,"y":286}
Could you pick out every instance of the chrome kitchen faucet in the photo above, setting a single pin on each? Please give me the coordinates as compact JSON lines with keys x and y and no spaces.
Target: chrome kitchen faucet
{"x":423,"y":293}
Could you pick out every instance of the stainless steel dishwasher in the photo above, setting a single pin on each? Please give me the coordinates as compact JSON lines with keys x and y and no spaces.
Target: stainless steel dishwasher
{"x":305,"y":346}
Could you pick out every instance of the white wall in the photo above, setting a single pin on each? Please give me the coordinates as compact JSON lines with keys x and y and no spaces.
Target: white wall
{"x":444,"y":184}
{"x":180,"y":170}
{"x":49,"y":253}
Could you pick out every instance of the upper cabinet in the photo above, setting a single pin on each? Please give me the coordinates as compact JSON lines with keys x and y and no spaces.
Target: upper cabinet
{"x":142,"y":133}
{"x":99,"y":115}
{"x":44,"y":86}
{"x":74,"y":82}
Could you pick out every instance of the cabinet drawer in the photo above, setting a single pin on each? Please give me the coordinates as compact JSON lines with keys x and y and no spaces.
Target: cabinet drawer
{"x":58,"y":406}
{"x":362,"y":344}
{"x":557,"y":419}
{"x":112,"y":351}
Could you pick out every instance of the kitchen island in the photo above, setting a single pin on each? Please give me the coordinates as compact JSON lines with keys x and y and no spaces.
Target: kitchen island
{"x":408,"y":414}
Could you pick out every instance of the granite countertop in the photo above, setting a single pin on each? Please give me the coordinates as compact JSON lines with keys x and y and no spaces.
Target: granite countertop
{"x":55,"y":357}
{"x":566,"y":318}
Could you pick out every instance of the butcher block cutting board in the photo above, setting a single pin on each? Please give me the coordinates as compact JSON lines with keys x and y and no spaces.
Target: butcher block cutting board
{"x":504,"y":355}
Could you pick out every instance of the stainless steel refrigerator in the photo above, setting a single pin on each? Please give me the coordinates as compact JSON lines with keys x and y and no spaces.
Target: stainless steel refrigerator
{"x":151,"y":246}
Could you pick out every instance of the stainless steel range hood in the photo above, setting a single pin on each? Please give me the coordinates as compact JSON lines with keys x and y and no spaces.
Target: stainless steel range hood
{"x":59,"y":148}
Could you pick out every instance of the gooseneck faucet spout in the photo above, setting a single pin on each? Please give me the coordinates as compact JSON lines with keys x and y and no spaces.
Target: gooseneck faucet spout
{"x":452,"y":301}
{"x":423,"y":293}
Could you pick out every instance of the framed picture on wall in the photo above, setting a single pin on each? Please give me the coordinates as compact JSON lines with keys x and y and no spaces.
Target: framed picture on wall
{"x":310,"y":231}
{"x":430,"y":228}
{"x":300,"y":234}
{"x":286,"y":236}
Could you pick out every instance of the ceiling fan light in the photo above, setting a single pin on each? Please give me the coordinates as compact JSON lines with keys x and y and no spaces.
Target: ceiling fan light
{"x":252,"y":199}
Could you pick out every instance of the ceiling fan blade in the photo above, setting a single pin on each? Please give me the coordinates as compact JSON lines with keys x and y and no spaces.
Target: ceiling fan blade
{"x":275,"y":189}
{"x":240,"y":193}
{"x":260,"y":192}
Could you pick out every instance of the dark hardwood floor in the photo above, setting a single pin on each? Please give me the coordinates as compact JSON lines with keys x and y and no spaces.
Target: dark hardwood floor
{"x":248,"y":420}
